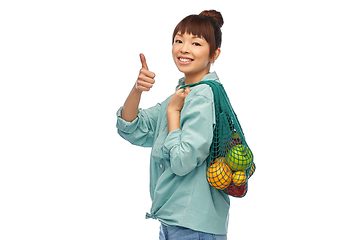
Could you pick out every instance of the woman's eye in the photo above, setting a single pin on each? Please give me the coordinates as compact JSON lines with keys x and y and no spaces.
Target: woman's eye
{"x":178,"y":41}
{"x":196,"y":44}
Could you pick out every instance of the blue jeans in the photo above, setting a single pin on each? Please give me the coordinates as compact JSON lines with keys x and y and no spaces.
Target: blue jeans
{"x":180,"y":233}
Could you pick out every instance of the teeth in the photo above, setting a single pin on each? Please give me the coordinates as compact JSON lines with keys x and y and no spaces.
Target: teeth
{"x":185,"y":59}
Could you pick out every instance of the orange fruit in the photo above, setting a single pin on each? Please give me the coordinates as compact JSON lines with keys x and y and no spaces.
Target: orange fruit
{"x":219,"y":174}
{"x":239,"y":178}
{"x":252,"y":170}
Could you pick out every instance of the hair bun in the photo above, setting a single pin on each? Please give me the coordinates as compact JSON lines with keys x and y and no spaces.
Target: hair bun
{"x":215,"y":15}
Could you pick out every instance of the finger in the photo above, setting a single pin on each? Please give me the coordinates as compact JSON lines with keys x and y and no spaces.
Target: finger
{"x":146,"y":78}
{"x":144,"y":84}
{"x":187,"y":91}
{"x":143,"y":61}
{"x":179,"y":91}
{"x":147,"y":73}
{"x":182,"y":93}
{"x":142,"y":88}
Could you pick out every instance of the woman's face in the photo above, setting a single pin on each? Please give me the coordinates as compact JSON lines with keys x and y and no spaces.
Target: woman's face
{"x":191,"y":54}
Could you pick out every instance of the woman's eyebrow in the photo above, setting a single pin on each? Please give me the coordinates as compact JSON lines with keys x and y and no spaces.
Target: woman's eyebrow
{"x":182,"y":35}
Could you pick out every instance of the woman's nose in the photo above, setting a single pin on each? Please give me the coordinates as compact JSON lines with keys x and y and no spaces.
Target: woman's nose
{"x":184,"y":49}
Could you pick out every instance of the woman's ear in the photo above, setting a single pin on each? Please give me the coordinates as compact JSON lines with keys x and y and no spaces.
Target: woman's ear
{"x":216,"y":55}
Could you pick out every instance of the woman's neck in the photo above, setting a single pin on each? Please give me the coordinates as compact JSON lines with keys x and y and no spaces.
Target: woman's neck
{"x":195,"y":78}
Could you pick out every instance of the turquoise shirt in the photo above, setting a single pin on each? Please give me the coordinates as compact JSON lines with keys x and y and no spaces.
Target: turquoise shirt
{"x":180,"y":193}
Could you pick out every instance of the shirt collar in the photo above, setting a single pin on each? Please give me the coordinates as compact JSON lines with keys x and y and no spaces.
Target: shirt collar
{"x":210,"y":76}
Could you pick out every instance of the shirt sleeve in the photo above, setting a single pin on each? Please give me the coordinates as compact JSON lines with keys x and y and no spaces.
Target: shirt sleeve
{"x":189,"y":146}
{"x":141,"y":131}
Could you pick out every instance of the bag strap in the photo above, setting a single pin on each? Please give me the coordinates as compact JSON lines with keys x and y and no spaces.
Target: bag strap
{"x":221,"y":100}
{"x":215,"y":89}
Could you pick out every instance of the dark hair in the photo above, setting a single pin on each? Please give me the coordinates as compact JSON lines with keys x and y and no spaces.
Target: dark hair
{"x":207,"y":25}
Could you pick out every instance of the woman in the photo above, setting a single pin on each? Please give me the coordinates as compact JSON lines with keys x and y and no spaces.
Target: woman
{"x":180,"y":132}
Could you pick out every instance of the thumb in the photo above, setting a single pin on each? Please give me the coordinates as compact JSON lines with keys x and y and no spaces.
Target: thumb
{"x":143,"y":61}
{"x":187,"y":91}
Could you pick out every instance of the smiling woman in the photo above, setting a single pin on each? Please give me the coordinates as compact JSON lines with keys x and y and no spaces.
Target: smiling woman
{"x":196,"y":44}
{"x":206,"y":25}
{"x":191,"y":56}
{"x":180,"y":132}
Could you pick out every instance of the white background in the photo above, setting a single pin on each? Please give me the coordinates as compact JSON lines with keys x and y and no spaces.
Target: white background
{"x":291,"y":70}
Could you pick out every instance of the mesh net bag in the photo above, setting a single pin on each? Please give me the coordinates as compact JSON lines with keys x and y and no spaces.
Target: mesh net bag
{"x":231,"y":161}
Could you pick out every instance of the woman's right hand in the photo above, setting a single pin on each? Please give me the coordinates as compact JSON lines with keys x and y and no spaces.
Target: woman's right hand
{"x":145,"y":80}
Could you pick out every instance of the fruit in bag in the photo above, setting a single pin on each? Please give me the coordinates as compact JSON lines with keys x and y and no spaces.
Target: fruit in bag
{"x":239,"y":157}
{"x":219,"y":174}
{"x":239,"y":178}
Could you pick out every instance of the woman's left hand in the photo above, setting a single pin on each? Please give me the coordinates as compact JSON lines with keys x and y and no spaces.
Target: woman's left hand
{"x":176,"y":102}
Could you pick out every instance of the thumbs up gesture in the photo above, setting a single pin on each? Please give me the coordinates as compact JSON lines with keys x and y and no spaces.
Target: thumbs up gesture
{"x":145,"y":80}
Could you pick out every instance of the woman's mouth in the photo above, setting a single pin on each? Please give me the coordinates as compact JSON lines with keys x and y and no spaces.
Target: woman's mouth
{"x":185,"y":61}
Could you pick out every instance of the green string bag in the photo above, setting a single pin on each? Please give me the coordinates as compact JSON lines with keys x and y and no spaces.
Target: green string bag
{"x":231,"y":161}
